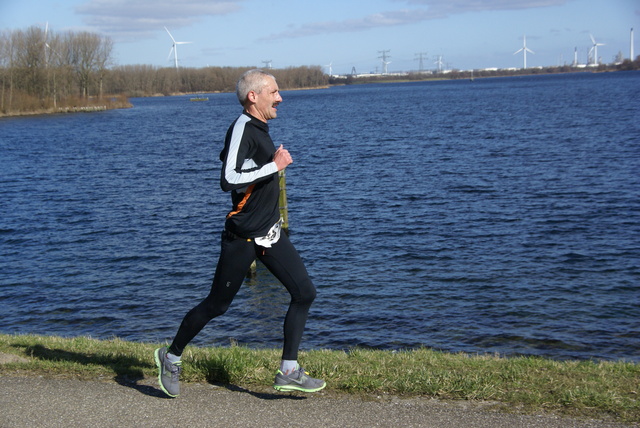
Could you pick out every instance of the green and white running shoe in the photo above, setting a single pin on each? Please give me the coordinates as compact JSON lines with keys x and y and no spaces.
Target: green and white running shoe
{"x":298,"y":380}
{"x":168,"y":373}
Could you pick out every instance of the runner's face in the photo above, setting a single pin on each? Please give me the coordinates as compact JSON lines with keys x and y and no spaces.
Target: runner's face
{"x":266,"y":102}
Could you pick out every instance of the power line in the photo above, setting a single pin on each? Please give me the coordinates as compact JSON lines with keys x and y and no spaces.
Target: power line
{"x":384,"y":58}
{"x":420,"y":57}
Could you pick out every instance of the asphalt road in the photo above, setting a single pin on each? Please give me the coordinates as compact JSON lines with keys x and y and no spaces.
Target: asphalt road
{"x":40,"y":402}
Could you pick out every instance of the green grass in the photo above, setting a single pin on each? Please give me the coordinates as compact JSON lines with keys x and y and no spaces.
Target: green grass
{"x":606,"y":390}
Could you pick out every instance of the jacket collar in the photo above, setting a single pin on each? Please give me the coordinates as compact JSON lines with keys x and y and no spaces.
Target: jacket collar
{"x":257,"y":121}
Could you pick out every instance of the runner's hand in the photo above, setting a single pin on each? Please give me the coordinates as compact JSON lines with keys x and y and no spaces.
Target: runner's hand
{"x":282,"y":158}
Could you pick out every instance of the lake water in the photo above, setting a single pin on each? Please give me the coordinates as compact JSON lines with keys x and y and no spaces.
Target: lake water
{"x":494,"y":216}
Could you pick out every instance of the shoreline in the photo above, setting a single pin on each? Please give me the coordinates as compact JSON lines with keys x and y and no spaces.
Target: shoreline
{"x":67,"y":110}
{"x":340,"y":81}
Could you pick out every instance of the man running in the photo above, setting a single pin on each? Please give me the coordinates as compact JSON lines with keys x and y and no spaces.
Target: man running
{"x":250,"y":165}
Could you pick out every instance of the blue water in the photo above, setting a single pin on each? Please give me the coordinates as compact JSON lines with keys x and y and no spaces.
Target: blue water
{"x":500,"y":215}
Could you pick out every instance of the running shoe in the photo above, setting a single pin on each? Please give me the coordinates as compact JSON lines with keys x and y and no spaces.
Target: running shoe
{"x":298,"y":380}
{"x":168,"y":373}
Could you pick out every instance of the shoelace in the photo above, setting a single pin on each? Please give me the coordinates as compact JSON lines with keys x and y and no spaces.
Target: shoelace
{"x":174,"y":367}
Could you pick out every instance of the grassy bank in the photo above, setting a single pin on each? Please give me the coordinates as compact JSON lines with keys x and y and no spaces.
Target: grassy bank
{"x":524,"y":384}
{"x":71,"y":105}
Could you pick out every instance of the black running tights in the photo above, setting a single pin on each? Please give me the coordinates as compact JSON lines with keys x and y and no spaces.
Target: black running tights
{"x":236,"y":256}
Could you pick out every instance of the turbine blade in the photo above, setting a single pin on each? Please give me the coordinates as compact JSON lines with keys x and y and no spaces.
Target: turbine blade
{"x":174,"y":40}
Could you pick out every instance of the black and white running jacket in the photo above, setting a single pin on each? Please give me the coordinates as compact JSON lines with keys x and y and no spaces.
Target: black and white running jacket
{"x":249,"y":172}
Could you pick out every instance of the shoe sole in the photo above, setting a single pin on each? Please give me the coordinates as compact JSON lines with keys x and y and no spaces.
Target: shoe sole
{"x":290,"y":388}
{"x":159,"y":364}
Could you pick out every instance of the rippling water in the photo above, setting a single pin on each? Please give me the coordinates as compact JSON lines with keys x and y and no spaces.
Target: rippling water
{"x":500,"y":215}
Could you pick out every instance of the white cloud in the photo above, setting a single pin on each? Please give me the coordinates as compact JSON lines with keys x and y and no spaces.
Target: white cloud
{"x":128,"y":18}
{"x":447,"y":7}
{"x":382,"y":19}
{"x":427,"y":10}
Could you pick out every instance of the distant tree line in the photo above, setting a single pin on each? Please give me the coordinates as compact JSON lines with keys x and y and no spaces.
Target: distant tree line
{"x":42,"y":71}
{"x":147,"y":80}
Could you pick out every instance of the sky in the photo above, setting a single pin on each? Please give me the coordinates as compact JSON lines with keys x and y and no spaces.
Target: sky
{"x":342,"y":35}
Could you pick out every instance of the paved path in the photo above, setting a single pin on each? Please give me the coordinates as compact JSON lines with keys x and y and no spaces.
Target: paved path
{"x":39,"y":402}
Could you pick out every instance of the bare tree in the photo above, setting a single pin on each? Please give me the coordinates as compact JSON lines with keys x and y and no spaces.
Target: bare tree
{"x":30,"y":61}
{"x":103,"y":60}
{"x":6,"y":71}
{"x":83,"y":51}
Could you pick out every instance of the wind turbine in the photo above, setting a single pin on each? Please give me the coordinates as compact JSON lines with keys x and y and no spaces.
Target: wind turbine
{"x":174,"y":48}
{"x":594,"y":48}
{"x":384,"y":58}
{"x":330,"y":68}
{"x":384,"y":66}
{"x":47,"y":48}
{"x":524,"y":49}
{"x":439,"y":63}
{"x":47,"y":57}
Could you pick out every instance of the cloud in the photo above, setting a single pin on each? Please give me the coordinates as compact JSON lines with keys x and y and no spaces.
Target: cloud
{"x":138,"y":18}
{"x":448,"y":7}
{"x":427,"y":10}
{"x":376,"y":20}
